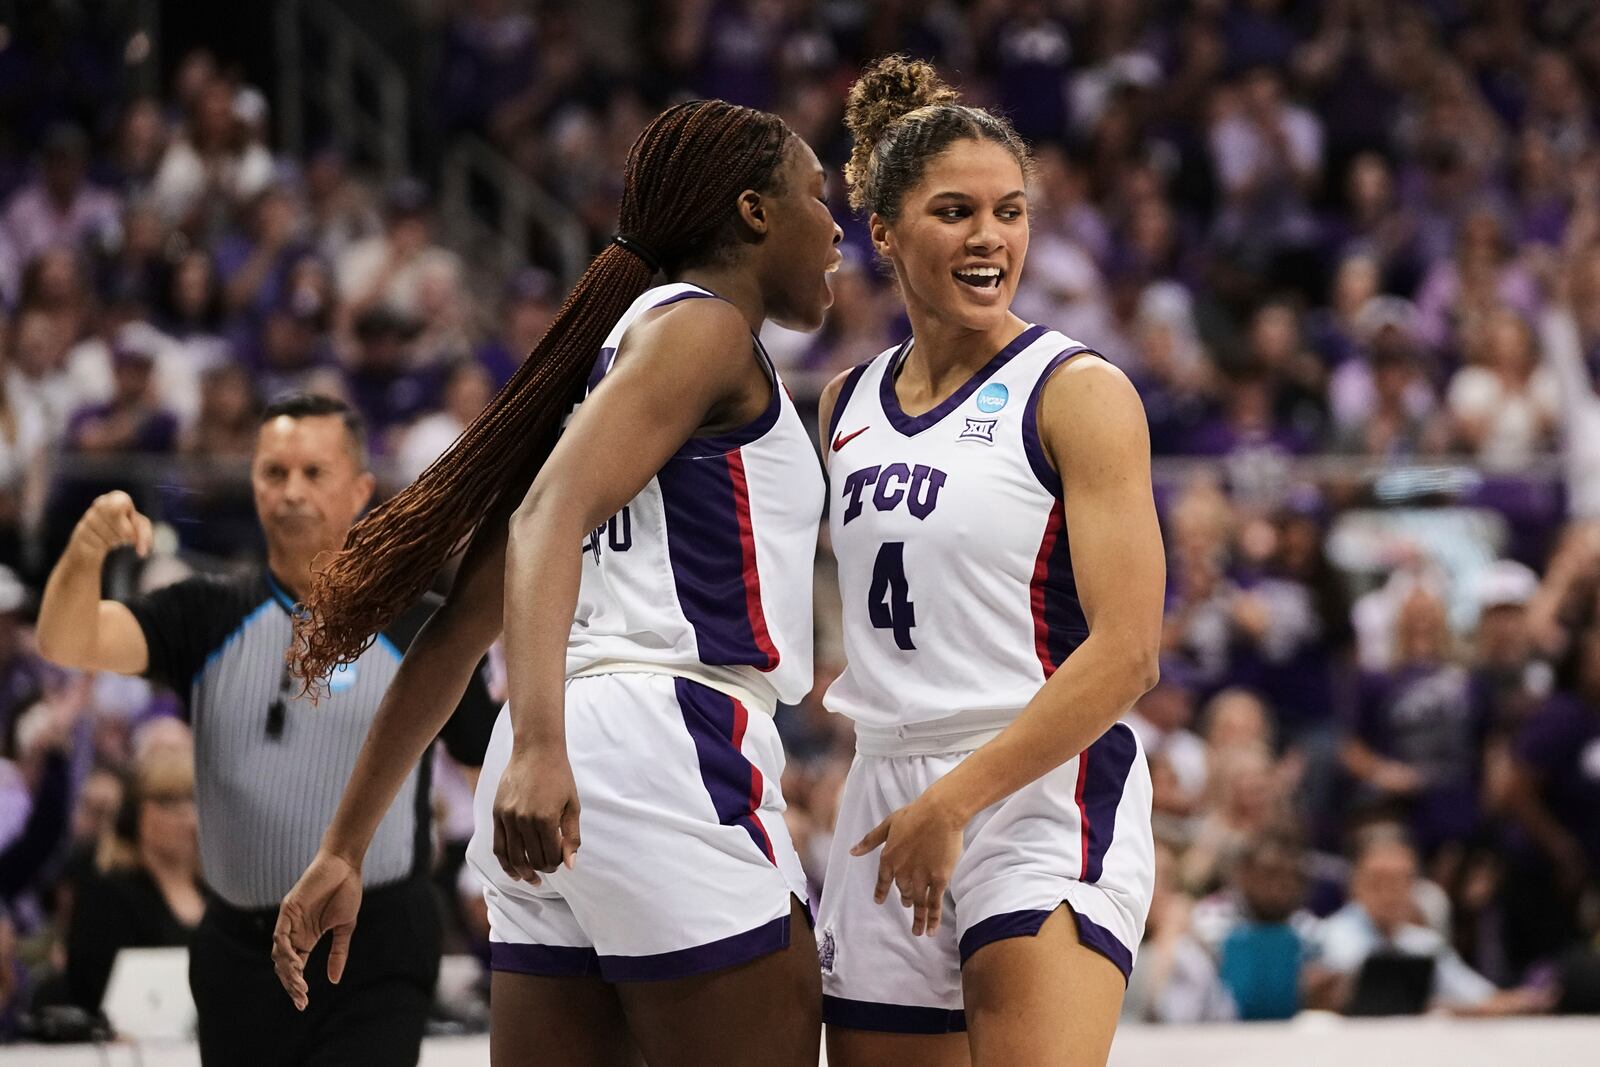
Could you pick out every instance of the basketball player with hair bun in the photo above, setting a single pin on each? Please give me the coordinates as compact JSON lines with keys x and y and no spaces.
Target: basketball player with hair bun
{"x":1001,"y":569}
{"x":654,"y":583}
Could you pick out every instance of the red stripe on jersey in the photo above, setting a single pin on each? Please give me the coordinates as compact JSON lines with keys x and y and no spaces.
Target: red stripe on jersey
{"x":752,"y":576}
{"x":1083,"y":815}
{"x":1036,"y":590}
{"x":741,"y":719}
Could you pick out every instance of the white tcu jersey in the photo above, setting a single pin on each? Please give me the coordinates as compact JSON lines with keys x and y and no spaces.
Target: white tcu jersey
{"x":959,"y":599}
{"x":708,"y":571}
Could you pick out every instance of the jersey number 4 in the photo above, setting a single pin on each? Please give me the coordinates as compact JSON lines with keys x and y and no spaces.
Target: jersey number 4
{"x":889,"y":600}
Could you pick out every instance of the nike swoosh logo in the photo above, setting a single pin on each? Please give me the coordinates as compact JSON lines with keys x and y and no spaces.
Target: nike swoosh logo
{"x":840,"y":440}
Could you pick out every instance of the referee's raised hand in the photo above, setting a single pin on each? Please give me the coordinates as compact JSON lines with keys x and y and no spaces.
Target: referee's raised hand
{"x":111,"y":522}
{"x":324,"y":900}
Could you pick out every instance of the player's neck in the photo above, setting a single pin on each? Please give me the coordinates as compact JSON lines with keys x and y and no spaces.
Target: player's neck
{"x":738,"y":288}
{"x":946,"y":353}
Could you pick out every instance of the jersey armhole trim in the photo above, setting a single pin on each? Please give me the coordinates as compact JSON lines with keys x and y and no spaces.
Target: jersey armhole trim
{"x":846,"y":391}
{"x":1031,"y":444}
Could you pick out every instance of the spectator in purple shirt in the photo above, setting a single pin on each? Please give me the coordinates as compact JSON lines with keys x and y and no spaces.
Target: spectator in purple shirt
{"x":59,"y":208}
{"x":382,"y":384}
{"x":132,"y":421}
{"x":1553,"y":797}
{"x":1415,"y":736}
{"x":531,"y":300}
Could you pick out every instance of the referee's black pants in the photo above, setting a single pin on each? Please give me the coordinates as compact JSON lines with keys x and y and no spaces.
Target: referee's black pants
{"x":372,"y":1018}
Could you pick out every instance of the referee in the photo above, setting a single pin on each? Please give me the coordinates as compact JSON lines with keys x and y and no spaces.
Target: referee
{"x":269,"y":765}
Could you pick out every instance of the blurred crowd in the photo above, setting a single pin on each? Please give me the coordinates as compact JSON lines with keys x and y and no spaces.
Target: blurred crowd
{"x":1351,"y":228}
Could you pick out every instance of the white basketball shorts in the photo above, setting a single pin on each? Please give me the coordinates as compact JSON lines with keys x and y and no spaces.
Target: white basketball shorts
{"x":686,"y":864}
{"x":1080,"y":835}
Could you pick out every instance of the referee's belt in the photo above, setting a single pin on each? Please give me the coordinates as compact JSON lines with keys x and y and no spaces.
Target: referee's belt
{"x":254,"y":926}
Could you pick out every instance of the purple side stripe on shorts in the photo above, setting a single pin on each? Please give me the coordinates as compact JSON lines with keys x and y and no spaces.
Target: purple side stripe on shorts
{"x":891,"y":1018}
{"x":1027,"y":923}
{"x":716,"y":723}
{"x":1108,"y":762}
{"x":548,"y":961}
{"x":698,"y":959}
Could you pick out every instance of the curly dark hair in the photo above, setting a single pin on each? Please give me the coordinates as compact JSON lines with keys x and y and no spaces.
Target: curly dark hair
{"x":901,"y":114}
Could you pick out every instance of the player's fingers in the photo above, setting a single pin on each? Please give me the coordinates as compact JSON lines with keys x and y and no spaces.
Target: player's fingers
{"x":935,"y":905}
{"x":571,"y":838}
{"x":547,"y":834}
{"x":511,"y":851}
{"x":875,"y":837}
{"x":339,"y":953}
{"x":919,"y":913}
{"x":519,"y":846}
{"x":501,"y":853}
{"x":880,"y":892}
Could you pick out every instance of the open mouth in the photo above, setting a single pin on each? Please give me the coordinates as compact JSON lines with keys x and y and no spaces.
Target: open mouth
{"x":980,"y":277}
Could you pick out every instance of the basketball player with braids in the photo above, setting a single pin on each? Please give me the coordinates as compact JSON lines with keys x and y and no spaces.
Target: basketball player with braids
{"x":654,"y":583}
{"x":994,"y":794}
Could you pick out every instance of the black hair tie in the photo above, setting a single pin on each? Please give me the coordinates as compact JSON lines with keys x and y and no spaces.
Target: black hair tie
{"x":640,"y":249}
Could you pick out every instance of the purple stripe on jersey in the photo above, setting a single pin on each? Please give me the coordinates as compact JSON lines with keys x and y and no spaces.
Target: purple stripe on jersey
{"x":693,"y":294}
{"x":1107,"y":763}
{"x":846,"y":391}
{"x":716,"y":722}
{"x":892,"y":1018}
{"x":1030,"y":425}
{"x":1060,"y":625}
{"x":722,"y":443}
{"x":1028,"y":923}
{"x":911,"y":424}
{"x":706,"y":550}
{"x":698,"y":959}
{"x":602,"y":364}
{"x":550,"y":961}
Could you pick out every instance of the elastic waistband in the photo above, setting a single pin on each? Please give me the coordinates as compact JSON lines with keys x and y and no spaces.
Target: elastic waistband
{"x":912,"y":741}
{"x":726,"y":686}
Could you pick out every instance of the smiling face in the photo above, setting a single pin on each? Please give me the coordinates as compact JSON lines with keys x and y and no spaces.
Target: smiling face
{"x":960,"y":236}
{"x":799,"y":244}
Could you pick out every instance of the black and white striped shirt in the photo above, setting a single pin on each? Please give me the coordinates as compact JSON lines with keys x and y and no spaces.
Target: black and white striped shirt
{"x":270,"y":766}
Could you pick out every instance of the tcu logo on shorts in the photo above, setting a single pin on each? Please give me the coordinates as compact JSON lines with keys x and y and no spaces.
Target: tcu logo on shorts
{"x":825,"y":951}
{"x":917,"y":486}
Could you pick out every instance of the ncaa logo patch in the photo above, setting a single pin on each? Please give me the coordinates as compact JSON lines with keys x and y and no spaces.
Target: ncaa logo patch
{"x":978,"y":430}
{"x":993,"y":397}
{"x":825,"y":952}
{"x":342,"y":677}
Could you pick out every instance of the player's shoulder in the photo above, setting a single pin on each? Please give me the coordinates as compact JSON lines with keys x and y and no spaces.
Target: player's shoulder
{"x":846,"y":378}
{"x":688,"y":312}
{"x":1076,"y":374}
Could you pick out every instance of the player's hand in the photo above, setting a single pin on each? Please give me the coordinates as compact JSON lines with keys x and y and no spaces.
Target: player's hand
{"x":111,"y":522}
{"x":536,"y":815}
{"x":324,"y":900}
{"x":921,"y":844}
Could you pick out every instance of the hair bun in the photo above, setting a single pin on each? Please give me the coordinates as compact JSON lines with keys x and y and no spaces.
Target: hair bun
{"x":887,"y":91}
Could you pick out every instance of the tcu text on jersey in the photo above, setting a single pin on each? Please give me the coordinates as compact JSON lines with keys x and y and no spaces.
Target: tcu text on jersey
{"x":918,"y":487}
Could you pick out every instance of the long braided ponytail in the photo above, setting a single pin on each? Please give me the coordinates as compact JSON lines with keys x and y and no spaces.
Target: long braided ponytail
{"x":681,"y":183}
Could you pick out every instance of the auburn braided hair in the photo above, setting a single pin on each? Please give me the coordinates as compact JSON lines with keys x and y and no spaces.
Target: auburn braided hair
{"x":681,"y":185}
